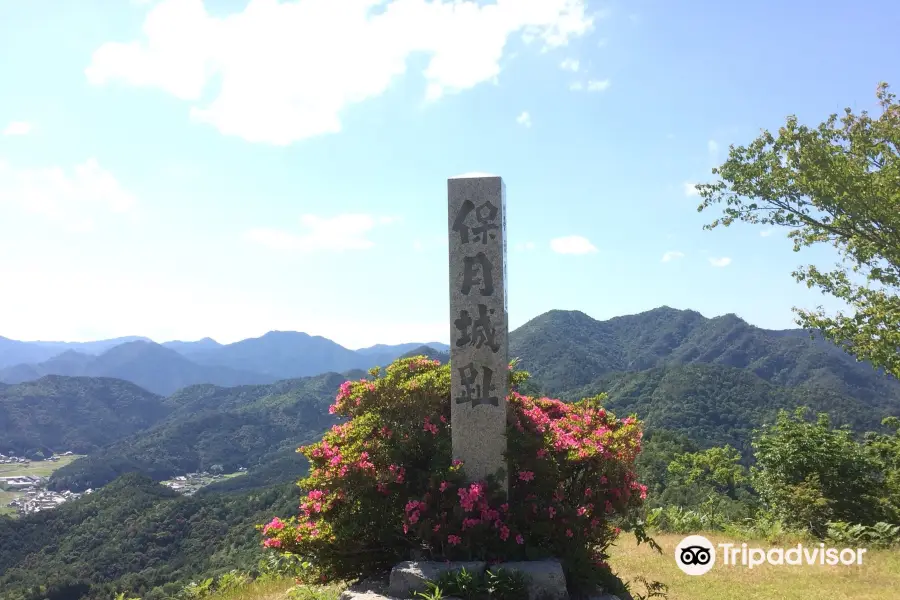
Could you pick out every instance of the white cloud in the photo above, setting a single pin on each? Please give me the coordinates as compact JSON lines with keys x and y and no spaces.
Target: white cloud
{"x":720,"y":262}
{"x":524,"y":119}
{"x":525,"y":246}
{"x":288,"y":69}
{"x":573,"y":244}
{"x":672,"y":255}
{"x":73,"y":199}
{"x":690,"y":189}
{"x":713,"y":147}
{"x":343,"y":232}
{"x":767,"y":232}
{"x":17,"y":128}
{"x":570,"y":64}
{"x":594,"y":85}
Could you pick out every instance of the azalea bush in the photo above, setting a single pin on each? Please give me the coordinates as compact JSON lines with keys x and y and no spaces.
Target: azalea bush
{"x":383,"y":487}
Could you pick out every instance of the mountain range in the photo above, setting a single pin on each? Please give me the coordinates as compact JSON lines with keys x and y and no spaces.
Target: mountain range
{"x":694,"y":381}
{"x":711,"y":379}
{"x":166,"y":368}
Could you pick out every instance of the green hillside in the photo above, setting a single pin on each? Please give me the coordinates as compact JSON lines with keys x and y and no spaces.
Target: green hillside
{"x":78,"y":414}
{"x":210,"y":425}
{"x":134,"y":534}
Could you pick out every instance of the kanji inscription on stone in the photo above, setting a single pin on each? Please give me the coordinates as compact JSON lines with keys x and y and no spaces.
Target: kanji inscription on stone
{"x":479,"y":350}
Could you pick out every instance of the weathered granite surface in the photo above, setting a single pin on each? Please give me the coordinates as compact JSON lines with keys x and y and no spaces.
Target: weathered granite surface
{"x":479,"y":348}
{"x":410,"y":577}
{"x":546,"y":580}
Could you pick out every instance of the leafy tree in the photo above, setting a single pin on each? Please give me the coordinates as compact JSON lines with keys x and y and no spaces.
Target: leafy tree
{"x":838,"y":183}
{"x":886,"y":448}
{"x":808,"y":473}
{"x":717,"y":468}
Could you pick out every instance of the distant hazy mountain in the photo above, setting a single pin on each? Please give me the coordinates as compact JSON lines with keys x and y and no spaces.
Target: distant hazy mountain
{"x":289,"y":354}
{"x":147,"y":364}
{"x":275,"y":355}
{"x":14,"y":352}
{"x":400,"y":349}
{"x":188,"y":348}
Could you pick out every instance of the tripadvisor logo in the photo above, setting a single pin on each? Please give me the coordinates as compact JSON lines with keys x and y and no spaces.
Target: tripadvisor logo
{"x":696,"y":555}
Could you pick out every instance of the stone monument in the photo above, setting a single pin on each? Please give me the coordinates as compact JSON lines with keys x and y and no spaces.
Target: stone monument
{"x":479,"y":351}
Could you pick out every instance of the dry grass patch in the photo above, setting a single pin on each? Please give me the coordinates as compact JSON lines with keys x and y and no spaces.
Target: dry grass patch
{"x":878,"y":578}
{"x":42,"y":468}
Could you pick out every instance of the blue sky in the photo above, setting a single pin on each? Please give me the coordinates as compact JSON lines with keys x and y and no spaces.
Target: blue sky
{"x":180,"y":169}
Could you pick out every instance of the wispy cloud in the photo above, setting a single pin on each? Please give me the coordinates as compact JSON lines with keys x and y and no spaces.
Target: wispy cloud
{"x":74,"y":199}
{"x":690,"y":189}
{"x":17,"y":128}
{"x":335,"y":234}
{"x":524,"y":119}
{"x":767,"y":232}
{"x":598,"y":85}
{"x":570,"y":64}
{"x":720,"y":262}
{"x":672,"y":255}
{"x":594,"y":85}
{"x":572,"y":244}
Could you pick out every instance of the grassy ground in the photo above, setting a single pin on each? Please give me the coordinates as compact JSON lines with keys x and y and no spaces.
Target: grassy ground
{"x":877,"y":578}
{"x":6,"y":498}
{"x":280,"y":590}
{"x":43,"y":468}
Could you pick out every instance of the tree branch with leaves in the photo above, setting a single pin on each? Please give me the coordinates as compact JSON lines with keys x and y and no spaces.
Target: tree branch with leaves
{"x":838,"y":184}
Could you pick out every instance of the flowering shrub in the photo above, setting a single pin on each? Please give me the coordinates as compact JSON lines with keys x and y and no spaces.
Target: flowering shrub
{"x":382,"y":487}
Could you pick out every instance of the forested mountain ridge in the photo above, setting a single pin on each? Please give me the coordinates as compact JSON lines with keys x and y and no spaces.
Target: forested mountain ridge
{"x":79,"y":414}
{"x":138,"y":535}
{"x":565,"y":350}
{"x":715,"y":404}
{"x":210,"y":425}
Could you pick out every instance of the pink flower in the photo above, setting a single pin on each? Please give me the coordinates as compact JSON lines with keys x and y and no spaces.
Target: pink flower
{"x":520,"y":540}
{"x":569,"y":533}
{"x":551,"y":511}
{"x":453,"y":540}
{"x":436,"y":528}
{"x":542,"y":452}
{"x":272,"y":543}
{"x":504,"y":533}
{"x":526,"y":475}
{"x":275,"y":524}
{"x":444,"y":485}
{"x":456,"y":462}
